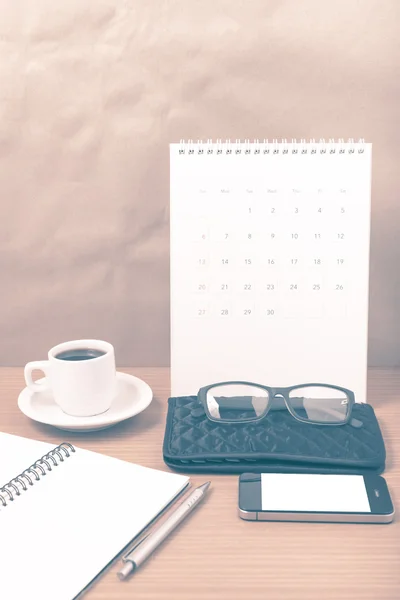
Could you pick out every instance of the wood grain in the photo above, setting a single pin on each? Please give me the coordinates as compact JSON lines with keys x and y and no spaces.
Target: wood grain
{"x":214,"y":554}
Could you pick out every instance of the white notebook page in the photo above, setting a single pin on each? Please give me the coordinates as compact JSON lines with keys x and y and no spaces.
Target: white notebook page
{"x":58,"y":535}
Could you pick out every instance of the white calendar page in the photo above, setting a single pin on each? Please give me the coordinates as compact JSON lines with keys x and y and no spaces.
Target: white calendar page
{"x":269,"y":264}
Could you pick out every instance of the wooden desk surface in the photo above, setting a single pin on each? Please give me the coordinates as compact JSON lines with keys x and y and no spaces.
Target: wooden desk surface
{"x":214,"y":554}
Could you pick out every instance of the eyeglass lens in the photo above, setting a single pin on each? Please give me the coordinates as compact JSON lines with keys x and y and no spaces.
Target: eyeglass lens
{"x":235,"y":402}
{"x":320,"y":404}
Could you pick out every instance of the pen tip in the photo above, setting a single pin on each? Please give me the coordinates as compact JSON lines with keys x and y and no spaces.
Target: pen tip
{"x":205,"y":486}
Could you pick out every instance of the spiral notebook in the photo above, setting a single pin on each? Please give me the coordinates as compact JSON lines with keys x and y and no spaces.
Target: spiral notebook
{"x":269,"y":262}
{"x":66,"y":513}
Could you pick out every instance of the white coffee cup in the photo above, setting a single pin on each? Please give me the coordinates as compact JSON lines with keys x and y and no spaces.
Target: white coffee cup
{"x":83,"y":383}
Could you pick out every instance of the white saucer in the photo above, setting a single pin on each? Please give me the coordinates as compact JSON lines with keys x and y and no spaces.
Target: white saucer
{"x":134,"y":395}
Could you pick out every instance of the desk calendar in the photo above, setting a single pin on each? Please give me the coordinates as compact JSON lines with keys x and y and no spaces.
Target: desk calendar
{"x":269,"y":263}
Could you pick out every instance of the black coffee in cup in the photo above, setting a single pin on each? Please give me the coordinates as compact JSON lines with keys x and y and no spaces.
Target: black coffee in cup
{"x":80,"y":354}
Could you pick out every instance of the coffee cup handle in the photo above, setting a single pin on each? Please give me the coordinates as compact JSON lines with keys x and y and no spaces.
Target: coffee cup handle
{"x":40,"y":365}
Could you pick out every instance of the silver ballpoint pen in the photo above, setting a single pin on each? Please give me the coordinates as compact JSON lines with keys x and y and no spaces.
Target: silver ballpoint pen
{"x":145,"y":547}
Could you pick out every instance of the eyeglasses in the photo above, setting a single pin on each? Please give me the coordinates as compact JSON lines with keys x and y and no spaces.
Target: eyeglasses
{"x":245,"y":402}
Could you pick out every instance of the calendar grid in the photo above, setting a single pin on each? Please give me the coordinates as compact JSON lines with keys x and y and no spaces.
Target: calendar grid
{"x":270,"y":240}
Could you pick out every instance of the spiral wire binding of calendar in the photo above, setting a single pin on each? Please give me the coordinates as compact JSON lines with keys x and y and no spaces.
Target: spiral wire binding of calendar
{"x":38,"y":469}
{"x":275,"y":146}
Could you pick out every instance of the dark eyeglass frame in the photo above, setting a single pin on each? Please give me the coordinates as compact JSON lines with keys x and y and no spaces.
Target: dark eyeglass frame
{"x":278,"y":392}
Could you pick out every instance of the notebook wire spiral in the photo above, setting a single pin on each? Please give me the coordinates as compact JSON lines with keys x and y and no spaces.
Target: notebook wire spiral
{"x":35,"y":472}
{"x":274,"y":146}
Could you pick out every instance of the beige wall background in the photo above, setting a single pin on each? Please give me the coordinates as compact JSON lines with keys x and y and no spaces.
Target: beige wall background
{"x":91,"y":94}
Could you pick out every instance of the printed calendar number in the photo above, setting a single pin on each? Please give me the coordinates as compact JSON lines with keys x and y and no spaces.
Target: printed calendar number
{"x":221,"y":234}
{"x":201,"y":287}
{"x":221,"y":285}
{"x":198,"y":233}
{"x":201,"y":312}
{"x":243,"y":307}
{"x":200,"y":264}
{"x":293,"y":208}
{"x":223,"y":310}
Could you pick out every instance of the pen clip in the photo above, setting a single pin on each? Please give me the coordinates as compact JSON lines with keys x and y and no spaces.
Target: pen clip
{"x":125,"y":557}
{"x":157,"y":522}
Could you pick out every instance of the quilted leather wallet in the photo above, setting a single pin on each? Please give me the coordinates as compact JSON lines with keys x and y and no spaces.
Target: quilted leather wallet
{"x":278,"y":443}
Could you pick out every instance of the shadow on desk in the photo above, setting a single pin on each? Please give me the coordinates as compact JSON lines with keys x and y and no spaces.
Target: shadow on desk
{"x":138,"y":428}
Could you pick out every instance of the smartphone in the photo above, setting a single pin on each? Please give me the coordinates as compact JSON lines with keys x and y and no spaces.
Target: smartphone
{"x":314,"y":497}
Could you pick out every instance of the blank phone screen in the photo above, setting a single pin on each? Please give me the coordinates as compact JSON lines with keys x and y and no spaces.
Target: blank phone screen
{"x":315,"y":493}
